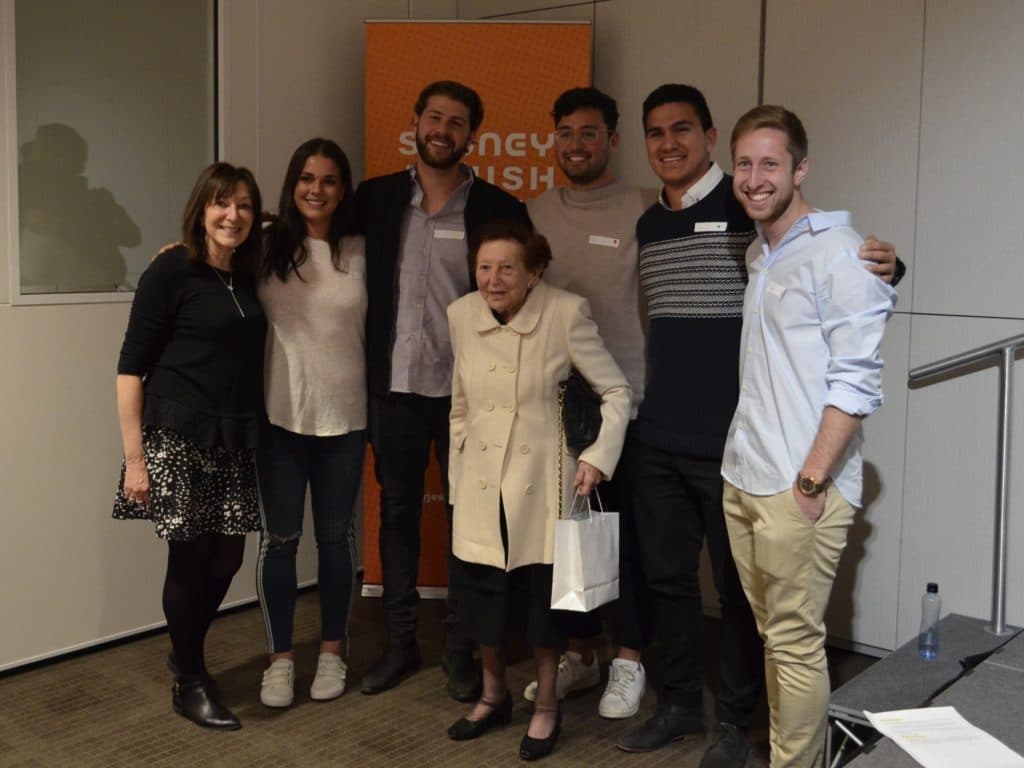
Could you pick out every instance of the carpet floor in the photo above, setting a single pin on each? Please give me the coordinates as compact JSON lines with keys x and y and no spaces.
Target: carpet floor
{"x":112,"y":707}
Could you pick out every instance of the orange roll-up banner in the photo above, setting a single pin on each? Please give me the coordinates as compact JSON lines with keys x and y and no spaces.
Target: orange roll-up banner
{"x":518,"y":68}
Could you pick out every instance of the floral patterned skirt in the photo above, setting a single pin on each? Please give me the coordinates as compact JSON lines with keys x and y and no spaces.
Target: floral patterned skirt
{"x":193,"y":490}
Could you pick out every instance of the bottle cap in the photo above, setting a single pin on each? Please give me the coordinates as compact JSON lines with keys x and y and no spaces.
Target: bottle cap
{"x":933,"y":587}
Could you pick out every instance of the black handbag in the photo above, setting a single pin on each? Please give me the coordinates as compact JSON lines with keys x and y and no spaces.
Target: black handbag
{"x":580,"y":408}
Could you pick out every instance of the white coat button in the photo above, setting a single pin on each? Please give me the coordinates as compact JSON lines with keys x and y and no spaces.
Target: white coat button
{"x":524,"y":448}
{"x":510,"y":407}
{"x":529,"y":490}
{"x":483,"y":445}
{"x":490,"y":405}
{"x":483,"y":483}
{"x":491,"y":365}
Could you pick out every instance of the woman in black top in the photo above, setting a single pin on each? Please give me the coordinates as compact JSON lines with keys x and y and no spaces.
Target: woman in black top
{"x":189,"y":397}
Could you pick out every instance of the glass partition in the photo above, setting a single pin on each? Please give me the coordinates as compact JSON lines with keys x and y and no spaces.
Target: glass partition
{"x":115,"y":107}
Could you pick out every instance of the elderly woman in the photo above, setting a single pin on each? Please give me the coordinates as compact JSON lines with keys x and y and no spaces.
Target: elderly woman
{"x":513,"y":341}
{"x":189,"y":398}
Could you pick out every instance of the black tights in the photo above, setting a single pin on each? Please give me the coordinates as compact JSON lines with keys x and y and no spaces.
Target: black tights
{"x":199,"y":573}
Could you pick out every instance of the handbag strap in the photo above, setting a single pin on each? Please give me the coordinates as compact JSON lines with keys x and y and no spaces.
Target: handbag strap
{"x":561,"y":450}
{"x":561,"y":444}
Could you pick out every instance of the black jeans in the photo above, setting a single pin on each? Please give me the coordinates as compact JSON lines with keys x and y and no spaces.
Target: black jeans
{"x":332,"y":468}
{"x":402,"y":427}
{"x":634,"y":628}
{"x":677,"y":505}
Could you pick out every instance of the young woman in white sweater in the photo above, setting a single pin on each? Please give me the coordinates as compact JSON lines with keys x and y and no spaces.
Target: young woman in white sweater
{"x":313,"y":289}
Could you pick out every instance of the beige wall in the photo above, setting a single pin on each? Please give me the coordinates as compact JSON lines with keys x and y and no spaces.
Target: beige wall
{"x":909,"y":124}
{"x":914,"y":113}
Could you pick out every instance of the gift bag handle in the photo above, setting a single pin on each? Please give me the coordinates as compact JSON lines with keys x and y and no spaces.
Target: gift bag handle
{"x":578,"y":501}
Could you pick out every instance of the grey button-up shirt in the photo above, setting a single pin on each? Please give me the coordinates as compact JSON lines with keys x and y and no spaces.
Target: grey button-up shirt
{"x":432,"y":272}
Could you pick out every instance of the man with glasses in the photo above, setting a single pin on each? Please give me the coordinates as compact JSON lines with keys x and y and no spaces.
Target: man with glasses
{"x":591,"y":226}
{"x":417,"y":224}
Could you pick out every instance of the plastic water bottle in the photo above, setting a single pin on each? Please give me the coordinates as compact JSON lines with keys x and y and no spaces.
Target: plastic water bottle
{"x":928,"y":640}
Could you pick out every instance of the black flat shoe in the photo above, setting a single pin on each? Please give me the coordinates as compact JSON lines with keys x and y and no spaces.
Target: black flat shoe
{"x":192,"y":699}
{"x":465,"y":729}
{"x":534,"y":749}
{"x":211,"y":684}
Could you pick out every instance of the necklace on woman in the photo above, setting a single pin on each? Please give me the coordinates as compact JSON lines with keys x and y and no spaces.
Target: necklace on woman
{"x":229,"y":284}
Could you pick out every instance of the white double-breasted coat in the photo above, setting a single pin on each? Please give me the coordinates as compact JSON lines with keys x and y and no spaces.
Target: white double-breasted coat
{"x":505,"y":420}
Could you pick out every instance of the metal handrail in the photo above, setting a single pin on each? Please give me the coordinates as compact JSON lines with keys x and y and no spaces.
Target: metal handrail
{"x":1005,"y":351}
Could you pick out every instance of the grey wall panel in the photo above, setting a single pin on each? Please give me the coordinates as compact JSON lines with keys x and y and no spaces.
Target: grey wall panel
{"x":311,"y":75}
{"x":433,"y":9}
{"x":970,"y":230}
{"x":551,"y":12}
{"x":712,"y":45}
{"x":949,"y":491}
{"x":239,"y":84}
{"x":478,"y":9}
{"x":855,"y":83}
{"x":864,"y":599}
{"x":8,"y":158}
{"x":73,"y":573}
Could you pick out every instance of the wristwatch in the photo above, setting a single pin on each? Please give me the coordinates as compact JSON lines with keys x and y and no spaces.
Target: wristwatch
{"x":808,"y":486}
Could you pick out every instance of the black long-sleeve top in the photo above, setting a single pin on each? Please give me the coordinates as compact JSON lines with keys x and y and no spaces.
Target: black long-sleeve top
{"x":201,"y":360}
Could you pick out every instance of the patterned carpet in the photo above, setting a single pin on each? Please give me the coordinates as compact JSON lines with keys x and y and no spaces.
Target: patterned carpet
{"x":113,"y":708}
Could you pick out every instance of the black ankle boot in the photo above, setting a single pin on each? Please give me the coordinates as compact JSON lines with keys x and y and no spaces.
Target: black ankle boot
{"x":192,"y":699}
{"x":211,"y":684}
{"x":534,"y":749}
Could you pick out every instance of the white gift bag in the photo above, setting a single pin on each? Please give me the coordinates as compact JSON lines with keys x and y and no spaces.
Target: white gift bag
{"x":585,"y":571}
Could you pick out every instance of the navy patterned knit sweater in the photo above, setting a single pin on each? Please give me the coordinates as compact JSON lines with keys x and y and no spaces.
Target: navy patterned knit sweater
{"x":693,"y":274}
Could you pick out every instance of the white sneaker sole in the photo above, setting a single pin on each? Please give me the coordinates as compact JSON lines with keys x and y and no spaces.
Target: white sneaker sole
{"x":328,"y":695}
{"x":610,"y":714}
{"x":276,"y":702}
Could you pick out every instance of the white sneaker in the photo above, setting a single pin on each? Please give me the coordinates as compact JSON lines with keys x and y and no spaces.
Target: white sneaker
{"x":278,"y":689}
{"x":329,"y":682}
{"x":627,"y":682}
{"x":573,"y":675}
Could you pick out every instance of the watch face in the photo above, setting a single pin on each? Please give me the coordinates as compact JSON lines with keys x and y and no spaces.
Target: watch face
{"x":808,"y":486}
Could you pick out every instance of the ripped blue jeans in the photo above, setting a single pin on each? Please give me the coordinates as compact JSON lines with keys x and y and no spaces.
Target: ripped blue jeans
{"x":331,"y":467}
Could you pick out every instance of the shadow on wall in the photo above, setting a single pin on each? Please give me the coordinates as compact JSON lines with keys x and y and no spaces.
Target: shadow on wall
{"x":841,"y":605}
{"x":71,"y":233}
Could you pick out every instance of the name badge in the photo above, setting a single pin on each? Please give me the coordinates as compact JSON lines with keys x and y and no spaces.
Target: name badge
{"x":608,"y":242}
{"x":710,"y":226}
{"x":776,"y":290}
{"x":449,"y":234}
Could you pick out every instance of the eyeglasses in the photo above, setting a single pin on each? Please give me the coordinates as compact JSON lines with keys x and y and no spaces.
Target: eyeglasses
{"x":587,"y":135}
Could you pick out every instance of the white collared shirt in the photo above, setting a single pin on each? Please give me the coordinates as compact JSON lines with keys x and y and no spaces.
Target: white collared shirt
{"x":813,"y":319}
{"x":699,"y":190}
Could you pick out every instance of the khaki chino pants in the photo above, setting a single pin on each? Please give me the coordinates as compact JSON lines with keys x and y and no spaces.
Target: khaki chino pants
{"x":787,"y":567}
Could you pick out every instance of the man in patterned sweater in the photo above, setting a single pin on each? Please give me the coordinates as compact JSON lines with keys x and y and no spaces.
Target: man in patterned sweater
{"x":692,"y":245}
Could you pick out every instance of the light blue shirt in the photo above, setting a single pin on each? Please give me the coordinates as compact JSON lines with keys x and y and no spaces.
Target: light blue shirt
{"x":813,"y":319}
{"x":432,"y":273}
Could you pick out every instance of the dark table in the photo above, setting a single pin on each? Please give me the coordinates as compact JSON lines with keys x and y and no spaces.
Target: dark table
{"x":903,"y":680}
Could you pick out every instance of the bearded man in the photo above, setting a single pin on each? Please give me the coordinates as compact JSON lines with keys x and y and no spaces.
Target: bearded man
{"x":418,"y":223}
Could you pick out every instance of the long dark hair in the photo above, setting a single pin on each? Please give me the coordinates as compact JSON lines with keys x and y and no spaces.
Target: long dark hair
{"x":217,"y":182}
{"x":286,"y":236}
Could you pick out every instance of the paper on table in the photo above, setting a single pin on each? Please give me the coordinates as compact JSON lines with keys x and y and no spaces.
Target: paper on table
{"x":939,"y":737}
